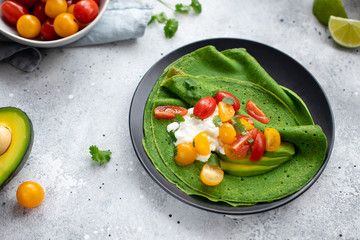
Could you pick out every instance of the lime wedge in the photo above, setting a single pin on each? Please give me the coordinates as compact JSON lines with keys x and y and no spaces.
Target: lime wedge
{"x":323,"y":9}
{"x":345,"y":32}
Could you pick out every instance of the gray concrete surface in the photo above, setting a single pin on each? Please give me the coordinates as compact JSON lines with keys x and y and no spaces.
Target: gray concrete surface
{"x":81,"y":96}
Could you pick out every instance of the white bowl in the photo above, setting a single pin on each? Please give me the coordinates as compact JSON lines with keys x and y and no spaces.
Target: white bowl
{"x":10,"y":32}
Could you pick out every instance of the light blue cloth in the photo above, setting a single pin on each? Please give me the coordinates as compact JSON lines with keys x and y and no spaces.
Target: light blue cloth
{"x":123,"y":19}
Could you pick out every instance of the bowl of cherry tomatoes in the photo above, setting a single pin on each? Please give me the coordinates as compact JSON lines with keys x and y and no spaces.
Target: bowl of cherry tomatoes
{"x":49,"y":23}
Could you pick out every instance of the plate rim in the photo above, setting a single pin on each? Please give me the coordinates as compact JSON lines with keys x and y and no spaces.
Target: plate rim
{"x":192,"y":200}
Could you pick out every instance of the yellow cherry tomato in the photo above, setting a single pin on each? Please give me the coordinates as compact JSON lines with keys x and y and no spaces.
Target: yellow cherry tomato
{"x":55,"y":7}
{"x":70,"y":9}
{"x":230,"y":153}
{"x":202,"y":144}
{"x":28,"y":26}
{"x":185,"y":154}
{"x":211,"y":175}
{"x":246,"y":124}
{"x":65,"y":25}
{"x":30,"y":194}
{"x":272,"y":139}
{"x":226,"y":111}
{"x":227,"y":133}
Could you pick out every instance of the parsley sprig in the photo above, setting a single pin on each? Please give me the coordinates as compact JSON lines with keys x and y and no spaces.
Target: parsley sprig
{"x":171,"y":24}
{"x":99,"y":155}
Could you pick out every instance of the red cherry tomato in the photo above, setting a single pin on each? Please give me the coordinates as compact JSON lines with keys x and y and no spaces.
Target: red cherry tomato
{"x":12,"y":11}
{"x":258,"y":147}
{"x":28,"y":3}
{"x":221,"y":94}
{"x":168,"y":112}
{"x":256,"y":112}
{"x":241,"y":144}
{"x":48,"y":31}
{"x":86,"y":11}
{"x":205,"y":107}
{"x":247,"y":118}
{"x":39,"y":11}
{"x":254,"y":132}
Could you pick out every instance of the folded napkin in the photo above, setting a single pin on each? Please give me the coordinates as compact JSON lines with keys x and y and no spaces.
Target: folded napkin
{"x":123,"y":19}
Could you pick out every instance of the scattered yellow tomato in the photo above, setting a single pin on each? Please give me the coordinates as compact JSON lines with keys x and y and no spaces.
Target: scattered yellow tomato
{"x":65,"y":25}
{"x":186,"y":154}
{"x":272,"y":139}
{"x":202,"y":144}
{"x":246,"y":124}
{"x":30,"y":194}
{"x":226,"y":111}
{"x":211,"y":175}
{"x":28,"y":26}
{"x":227,"y":133}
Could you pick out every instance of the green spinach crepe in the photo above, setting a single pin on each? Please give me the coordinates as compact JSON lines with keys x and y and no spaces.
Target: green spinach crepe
{"x":203,"y":73}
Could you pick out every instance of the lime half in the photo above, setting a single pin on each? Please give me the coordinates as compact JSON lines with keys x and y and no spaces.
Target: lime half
{"x":323,"y":9}
{"x":345,"y":32}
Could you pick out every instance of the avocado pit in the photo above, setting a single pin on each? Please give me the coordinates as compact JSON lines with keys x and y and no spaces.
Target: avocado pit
{"x":5,"y":139}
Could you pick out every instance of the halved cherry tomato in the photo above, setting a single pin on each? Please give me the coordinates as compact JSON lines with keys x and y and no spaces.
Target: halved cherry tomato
{"x":246,"y":124}
{"x":39,"y":11}
{"x":168,"y":112}
{"x":211,"y":175}
{"x":205,"y":107}
{"x":230,"y":153}
{"x":186,"y":154}
{"x":254,"y":132}
{"x":227,"y":133}
{"x":258,"y":147}
{"x":48,"y":31}
{"x":226,"y":111}
{"x":86,"y":11}
{"x":28,"y":26}
{"x":12,"y":11}
{"x":30,"y":194}
{"x":273,"y":139}
{"x":202,"y":145}
{"x":241,"y":144}
{"x":256,"y":112}
{"x":221,"y":94}
{"x":247,"y":118}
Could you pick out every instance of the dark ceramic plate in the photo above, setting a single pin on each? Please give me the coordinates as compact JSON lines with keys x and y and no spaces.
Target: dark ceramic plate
{"x":285,"y":70}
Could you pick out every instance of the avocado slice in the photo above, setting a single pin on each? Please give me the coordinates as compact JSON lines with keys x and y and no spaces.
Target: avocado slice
{"x":285,"y":149}
{"x":16,"y":139}
{"x":243,"y":170}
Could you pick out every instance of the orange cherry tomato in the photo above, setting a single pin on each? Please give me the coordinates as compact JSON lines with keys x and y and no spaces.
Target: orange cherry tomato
{"x":186,"y":154}
{"x":227,"y":133}
{"x":28,"y":26}
{"x":30,"y":194}
{"x":168,"y":112}
{"x":202,"y":144}
{"x":256,"y":112}
{"x":246,"y":124}
{"x":273,"y":139}
{"x":226,"y":111}
{"x":55,"y":7}
{"x":230,"y":153}
{"x":211,"y":175}
{"x":65,"y":25}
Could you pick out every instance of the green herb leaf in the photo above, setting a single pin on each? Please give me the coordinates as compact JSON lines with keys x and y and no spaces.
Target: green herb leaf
{"x":99,"y":155}
{"x":171,"y":27}
{"x":228,"y":100}
{"x":190,"y":84}
{"x":193,"y":116}
{"x":172,"y":136}
{"x":181,"y":8}
{"x":251,"y":141}
{"x":179,"y":118}
{"x":195,"y":4}
{"x":238,"y":126}
{"x":213,"y":160}
{"x":161,"y":18}
{"x":217,"y":121}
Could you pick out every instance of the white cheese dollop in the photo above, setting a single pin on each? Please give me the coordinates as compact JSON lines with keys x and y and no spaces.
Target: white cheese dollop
{"x":186,"y":131}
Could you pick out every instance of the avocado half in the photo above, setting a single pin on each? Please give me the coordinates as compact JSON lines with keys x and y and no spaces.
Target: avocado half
{"x":14,"y":152}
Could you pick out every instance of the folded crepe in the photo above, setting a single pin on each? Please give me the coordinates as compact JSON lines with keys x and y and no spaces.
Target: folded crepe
{"x":203,"y":73}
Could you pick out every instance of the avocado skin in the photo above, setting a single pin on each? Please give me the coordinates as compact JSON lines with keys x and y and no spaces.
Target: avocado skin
{"x":29,"y":146}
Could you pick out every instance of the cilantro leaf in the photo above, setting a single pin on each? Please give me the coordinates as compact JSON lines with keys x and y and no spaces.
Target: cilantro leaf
{"x":251,"y":141}
{"x":238,"y":126}
{"x":179,"y":118}
{"x":213,"y":160}
{"x":161,"y":18}
{"x":217,"y":121}
{"x":195,"y":4}
{"x":172,"y":136}
{"x":228,"y":100}
{"x":99,"y":155}
{"x":196,"y":117}
{"x":171,"y":27}
{"x":181,"y":8}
